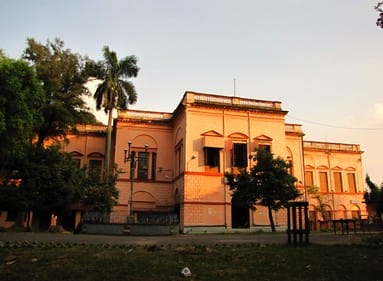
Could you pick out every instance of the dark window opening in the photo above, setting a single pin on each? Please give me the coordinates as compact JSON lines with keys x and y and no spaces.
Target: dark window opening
{"x":178,"y":155}
{"x":95,"y":168}
{"x":290,"y":169}
{"x":211,"y":158}
{"x":143,"y":167}
{"x":154,"y":166}
{"x":240,"y":155}
{"x":266,"y":147}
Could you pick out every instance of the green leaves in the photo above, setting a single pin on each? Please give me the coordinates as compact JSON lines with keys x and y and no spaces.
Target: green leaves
{"x":99,"y":195}
{"x":268,"y":183}
{"x":45,"y":100}
{"x":63,"y":75}
{"x":374,"y":195}
{"x":21,"y":102}
{"x":115,"y":91}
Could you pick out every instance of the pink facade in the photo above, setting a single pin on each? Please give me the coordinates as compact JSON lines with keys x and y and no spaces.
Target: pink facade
{"x":190,"y":149}
{"x":181,"y":157}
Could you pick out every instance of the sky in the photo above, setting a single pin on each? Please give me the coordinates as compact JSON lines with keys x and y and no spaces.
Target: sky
{"x":321,"y":59}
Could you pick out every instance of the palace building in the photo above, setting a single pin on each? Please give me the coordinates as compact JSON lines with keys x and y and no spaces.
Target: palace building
{"x":175,"y":162}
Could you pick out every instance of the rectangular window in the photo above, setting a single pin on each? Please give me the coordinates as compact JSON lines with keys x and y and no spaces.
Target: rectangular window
{"x":143,"y":167}
{"x":309,"y":178}
{"x":178,"y":159}
{"x":323,"y":182}
{"x":266,"y":147}
{"x":291,"y":167}
{"x":95,"y":168}
{"x":154,"y":165}
{"x":338,"y":182}
{"x":211,"y":158}
{"x":351,"y":182}
{"x":240,"y":155}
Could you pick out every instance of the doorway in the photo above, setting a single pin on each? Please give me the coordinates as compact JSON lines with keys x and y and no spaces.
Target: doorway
{"x":240,"y":217}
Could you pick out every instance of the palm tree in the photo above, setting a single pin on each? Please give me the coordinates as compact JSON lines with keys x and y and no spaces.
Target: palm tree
{"x":115,"y":92}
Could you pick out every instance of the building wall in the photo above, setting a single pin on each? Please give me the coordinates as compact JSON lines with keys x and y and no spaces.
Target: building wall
{"x":344,"y":159}
{"x":88,"y":144}
{"x":156,"y":193}
{"x":200,"y":121}
{"x":207,"y":201}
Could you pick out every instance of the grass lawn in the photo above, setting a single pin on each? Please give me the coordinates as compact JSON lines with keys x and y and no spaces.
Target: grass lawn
{"x":219,"y":262}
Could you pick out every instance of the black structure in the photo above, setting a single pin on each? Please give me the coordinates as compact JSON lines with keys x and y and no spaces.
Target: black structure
{"x":298,"y":224}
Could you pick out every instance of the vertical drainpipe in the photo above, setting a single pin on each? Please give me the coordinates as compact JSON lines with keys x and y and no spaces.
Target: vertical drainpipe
{"x":330,"y":179}
{"x":224,"y":170}
{"x":86,"y":147}
{"x":302,"y":155}
{"x":249,"y":143}
{"x":248,"y":159}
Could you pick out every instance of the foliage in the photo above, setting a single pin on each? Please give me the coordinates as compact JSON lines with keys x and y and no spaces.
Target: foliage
{"x":63,"y":75}
{"x":379,"y":21}
{"x":49,"y":178}
{"x":21,"y":101}
{"x":98,"y":195}
{"x":46,"y":179}
{"x":49,"y":181}
{"x":374,"y":195}
{"x":115,"y":92}
{"x":45,"y":100}
{"x":268,"y":184}
{"x":10,"y":197}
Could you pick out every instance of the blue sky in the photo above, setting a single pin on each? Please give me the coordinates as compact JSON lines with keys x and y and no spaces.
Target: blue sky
{"x":322,"y":59}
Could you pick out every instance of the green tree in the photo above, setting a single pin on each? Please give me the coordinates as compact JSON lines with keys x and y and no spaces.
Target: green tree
{"x":115,"y":91}
{"x":21,"y":102}
{"x":379,"y":21}
{"x":63,"y":75}
{"x":45,"y":182}
{"x":374,"y":196}
{"x":99,"y":194}
{"x":268,"y":184}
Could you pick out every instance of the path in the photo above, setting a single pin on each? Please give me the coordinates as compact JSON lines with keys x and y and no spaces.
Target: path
{"x":203,"y":239}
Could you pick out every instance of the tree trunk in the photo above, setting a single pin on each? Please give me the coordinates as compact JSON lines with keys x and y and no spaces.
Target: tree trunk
{"x":28,"y":220}
{"x":271,"y":218}
{"x":108,"y":144}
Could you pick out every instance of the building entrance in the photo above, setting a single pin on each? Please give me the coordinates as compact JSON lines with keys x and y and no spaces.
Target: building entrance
{"x":240,"y":217}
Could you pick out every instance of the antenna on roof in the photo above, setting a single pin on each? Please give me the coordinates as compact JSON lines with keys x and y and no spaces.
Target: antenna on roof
{"x":234,"y":88}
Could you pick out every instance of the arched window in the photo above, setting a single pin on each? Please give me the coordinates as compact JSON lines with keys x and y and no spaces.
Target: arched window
{"x":355,"y":212}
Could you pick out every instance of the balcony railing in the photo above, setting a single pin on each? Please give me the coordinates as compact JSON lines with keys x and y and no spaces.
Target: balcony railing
{"x":145,"y":115}
{"x":331,"y":146}
{"x":233,"y":101}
